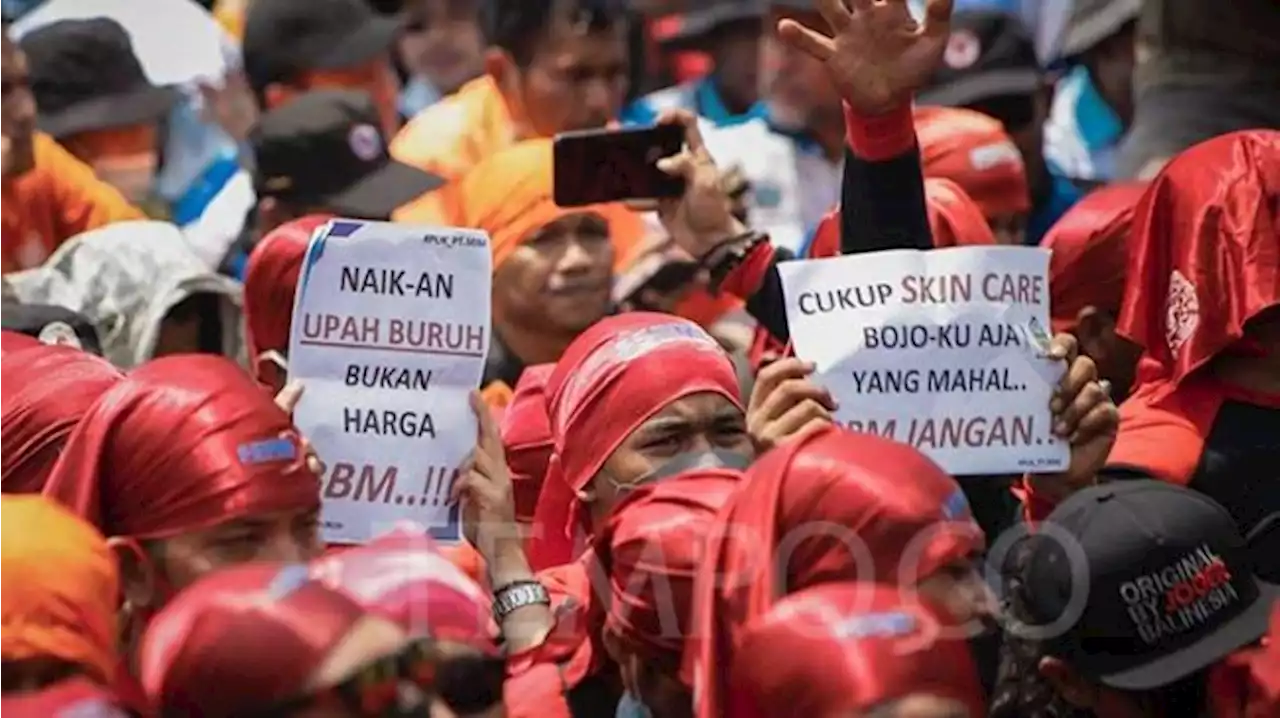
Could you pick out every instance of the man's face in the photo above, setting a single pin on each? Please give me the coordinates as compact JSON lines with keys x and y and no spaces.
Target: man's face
{"x":124,"y":157}
{"x":442,"y":41}
{"x":576,"y":81}
{"x":18,"y":111}
{"x":561,"y":278}
{"x":800,"y":91}
{"x":374,"y":77}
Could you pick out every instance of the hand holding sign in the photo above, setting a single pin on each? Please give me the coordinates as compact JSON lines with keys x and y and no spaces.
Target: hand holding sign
{"x":1083,"y":413}
{"x":484,"y":486}
{"x":287,"y":399}
{"x":703,"y":217}
{"x":786,"y":403}
{"x":878,"y":55}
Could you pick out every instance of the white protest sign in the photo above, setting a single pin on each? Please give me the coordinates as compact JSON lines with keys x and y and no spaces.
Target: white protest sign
{"x":390,"y":333}
{"x":943,"y":350}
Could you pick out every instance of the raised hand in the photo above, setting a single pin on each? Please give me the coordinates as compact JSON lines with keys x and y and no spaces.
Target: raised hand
{"x":876,"y":54}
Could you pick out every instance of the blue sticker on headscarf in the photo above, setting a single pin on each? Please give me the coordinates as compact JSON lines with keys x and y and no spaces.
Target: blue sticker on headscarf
{"x":956,"y":506}
{"x":265,"y":450}
{"x":867,"y":625}
{"x":290,"y":579}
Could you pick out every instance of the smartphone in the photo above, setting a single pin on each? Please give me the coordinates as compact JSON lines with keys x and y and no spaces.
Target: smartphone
{"x":595,"y":166}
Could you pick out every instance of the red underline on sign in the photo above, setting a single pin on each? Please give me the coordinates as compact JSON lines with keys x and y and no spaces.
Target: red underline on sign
{"x":406,"y":350}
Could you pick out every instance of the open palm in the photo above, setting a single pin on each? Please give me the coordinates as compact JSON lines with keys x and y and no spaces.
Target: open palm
{"x":877,"y":54}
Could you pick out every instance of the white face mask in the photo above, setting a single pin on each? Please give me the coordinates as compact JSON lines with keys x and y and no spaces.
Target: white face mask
{"x":133,"y":175}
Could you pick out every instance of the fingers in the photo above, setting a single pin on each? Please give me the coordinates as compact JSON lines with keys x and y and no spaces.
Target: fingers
{"x":694,"y":144}
{"x":937,"y":16}
{"x":1068,"y":423}
{"x":288,"y":397}
{"x":837,"y":15}
{"x":682,"y":164}
{"x":771,"y":376}
{"x":1064,"y":346}
{"x":811,"y":43}
{"x":487,"y":429}
{"x":793,"y":395}
{"x":809,"y":414}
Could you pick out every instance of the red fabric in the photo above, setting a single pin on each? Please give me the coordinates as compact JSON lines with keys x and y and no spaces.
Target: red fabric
{"x":271,"y":281}
{"x":880,"y":137}
{"x":613,"y":377}
{"x":241,"y":639}
{"x":651,"y":548}
{"x":745,"y":279}
{"x":573,"y":645}
{"x":44,"y":391}
{"x":72,"y":697}
{"x":975,"y":152}
{"x":848,"y":648}
{"x":403,"y":577}
{"x":526,"y":437}
{"x":182,"y":443}
{"x":1090,"y":247}
{"x":16,"y":341}
{"x":1205,"y":253}
{"x":1247,"y":683}
{"x":857,"y":503}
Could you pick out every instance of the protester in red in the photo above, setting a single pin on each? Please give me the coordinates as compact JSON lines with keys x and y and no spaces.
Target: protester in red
{"x":854,"y":649}
{"x":526,"y":437}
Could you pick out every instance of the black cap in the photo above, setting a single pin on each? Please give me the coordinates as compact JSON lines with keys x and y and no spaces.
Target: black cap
{"x":324,"y":149}
{"x":85,"y":76}
{"x":1093,"y":21}
{"x":285,"y":38}
{"x":1162,"y":583}
{"x":52,"y":325}
{"x":701,"y":22}
{"x":989,"y":54}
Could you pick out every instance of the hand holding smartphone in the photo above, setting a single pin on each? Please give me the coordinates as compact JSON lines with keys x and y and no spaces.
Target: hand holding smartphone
{"x":598,"y":166}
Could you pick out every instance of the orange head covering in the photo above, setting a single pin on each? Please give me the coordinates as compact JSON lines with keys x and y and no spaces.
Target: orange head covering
{"x":509,"y":195}
{"x":44,"y":391}
{"x":976,"y":152}
{"x":60,"y":587}
{"x":270,"y":283}
{"x":849,"y":648}
{"x":526,"y":437}
{"x":612,"y":378}
{"x":650,"y":550}
{"x":863,"y":508}
{"x":1205,"y":254}
{"x":181,"y":444}
{"x":1090,"y":249}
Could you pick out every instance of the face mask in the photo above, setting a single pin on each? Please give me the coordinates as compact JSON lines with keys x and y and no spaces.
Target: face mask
{"x":688,"y":461}
{"x":133,"y":175}
{"x":630,"y":707}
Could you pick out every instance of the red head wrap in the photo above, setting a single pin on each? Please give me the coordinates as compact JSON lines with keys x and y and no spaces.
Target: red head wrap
{"x":44,"y":391}
{"x":526,"y":437}
{"x":843,"y":506}
{"x":241,"y":639}
{"x":403,"y":577}
{"x":848,"y":648}
{"x":181,"y":444}
{"x":612,"y":378}
{"x":651,"y":549}
{"x":1090,"y":246}
{"x":976,"y":152}
{"x":271,"y":281}
{"x":72,"y":697}
{"x":1205,"y":254}
{"x":11,"y":342}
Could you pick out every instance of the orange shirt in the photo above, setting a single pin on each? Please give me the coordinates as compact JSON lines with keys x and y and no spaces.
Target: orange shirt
{"x":59,"y":198}
{"x":456,"y":133}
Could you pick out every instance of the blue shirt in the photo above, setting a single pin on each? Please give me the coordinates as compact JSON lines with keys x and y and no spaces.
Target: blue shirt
{"x":700,"y":96}
{"x":1083,"y":132}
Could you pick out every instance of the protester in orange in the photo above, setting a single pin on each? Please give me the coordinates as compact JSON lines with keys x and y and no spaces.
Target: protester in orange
{"x":60,"y":591}
{"x":977,"y":153}
{"x":1090,"y":248}
{"x":854,"y":649}
{"x":45,"y":391}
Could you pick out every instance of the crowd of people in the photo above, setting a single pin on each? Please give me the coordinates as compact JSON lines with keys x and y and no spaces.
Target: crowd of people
{"x":662,"y":516}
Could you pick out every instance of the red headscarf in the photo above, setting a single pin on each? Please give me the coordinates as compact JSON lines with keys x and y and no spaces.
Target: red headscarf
{"x":845,"y":649}
{"x":44,"y":391}
{"x":1090,"y":246}
{"x":16,"y":341}
{"x":271,"y":281}
{"x":180,"y":444}
{"x":1205,"y":254}
{"x":977,"y":153}
{"x":403,"y":577}
{"x":613,"y":377}
{"x":526,"y":437}
{"x":241,"y":639}
{"x":72,"y":697}
{"x":863,"y":507}
{"x":651,"y":549}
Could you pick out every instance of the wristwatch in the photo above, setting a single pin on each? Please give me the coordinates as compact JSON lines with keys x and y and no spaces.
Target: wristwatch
{"x":517,"y":595}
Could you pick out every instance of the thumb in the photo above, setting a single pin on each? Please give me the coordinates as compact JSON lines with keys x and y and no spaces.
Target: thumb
{"x":801,"y":38}
{"x":289,"y":396}
{"x":679,"y":165}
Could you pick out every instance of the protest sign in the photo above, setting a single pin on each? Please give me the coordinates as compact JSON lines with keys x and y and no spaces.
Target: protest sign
{"x":944,"y":350}
{"x":390,"y":333}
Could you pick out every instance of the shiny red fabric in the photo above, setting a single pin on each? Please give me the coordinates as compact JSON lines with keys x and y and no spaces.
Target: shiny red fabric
{"x":846,"y":648}
{"x":241,"y":639}
{"x":181,"y":444}
{"x":651,"y":549}
{"x":271,"y":281}
{"x":16,"y":341}
{"x":612,"y":378}
{"x":44,"y":392}
{"x":1246,"y":684}
{"x":1205,"y":252}
{"x":403,"y":577}
{"x":1090,"y":248}
{"x":977,"y":153}
{"x":72,"y":697}
{"x":841,"y":507}
{"x":526,"y":437}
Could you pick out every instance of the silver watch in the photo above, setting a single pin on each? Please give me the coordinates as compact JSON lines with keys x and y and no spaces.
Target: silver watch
{"x":517,"y":595}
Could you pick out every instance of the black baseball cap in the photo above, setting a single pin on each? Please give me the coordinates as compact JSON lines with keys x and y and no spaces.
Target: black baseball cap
{"x":1164,"y":581}
{"x":1093,"y":21}
{"x":326,"y":149}
{"x":51,"y":324}
{"x":989,"y":54}
{"x":701,"y":22}
{"x":285,"y":38}
{"x":85,"y":76}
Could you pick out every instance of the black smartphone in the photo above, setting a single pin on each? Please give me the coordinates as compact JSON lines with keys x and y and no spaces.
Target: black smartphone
{"x":595,"y":166}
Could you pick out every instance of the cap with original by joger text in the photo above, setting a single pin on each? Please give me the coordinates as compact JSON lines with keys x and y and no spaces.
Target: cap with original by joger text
{"x":1161,"y":580}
